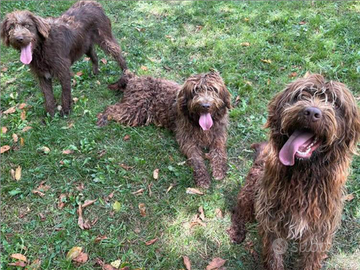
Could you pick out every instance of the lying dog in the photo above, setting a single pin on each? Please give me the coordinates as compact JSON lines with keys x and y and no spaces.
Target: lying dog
{"x":197,"y":112}
{"x":51,"y":45}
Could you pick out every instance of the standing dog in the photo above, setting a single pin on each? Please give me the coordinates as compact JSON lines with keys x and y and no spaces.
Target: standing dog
{"x":197,"y":112}
{"x":51,"y":45}
{"x":295,"y":187}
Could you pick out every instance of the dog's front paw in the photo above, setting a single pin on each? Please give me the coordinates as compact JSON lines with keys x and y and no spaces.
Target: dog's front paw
{"x":202,"y":179}
{"x":237,"y":235}
{"x":219,"y":173}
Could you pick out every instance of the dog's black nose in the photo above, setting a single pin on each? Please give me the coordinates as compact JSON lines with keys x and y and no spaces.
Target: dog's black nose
{"x":205,"y":105}
{"x":312,"y":114}
{"x":19,"y":39}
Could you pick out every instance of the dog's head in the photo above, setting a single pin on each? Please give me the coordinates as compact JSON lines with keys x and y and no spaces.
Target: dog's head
{"x":313,"y":117}
{"x":204,"y":99}
{"x":22,"y":30}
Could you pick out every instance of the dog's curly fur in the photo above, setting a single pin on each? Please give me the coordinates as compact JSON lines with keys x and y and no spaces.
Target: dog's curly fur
{"x":165,"y":103}
{"x":56,"y":43}
{"x":302,"y":202}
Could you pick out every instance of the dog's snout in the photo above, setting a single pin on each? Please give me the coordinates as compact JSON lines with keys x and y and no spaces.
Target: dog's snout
{"x":205,"y":105}
{"x":312,"y":114}
{"x":19,"y":39}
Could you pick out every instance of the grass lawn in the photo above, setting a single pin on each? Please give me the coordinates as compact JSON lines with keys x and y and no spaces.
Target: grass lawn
{"x":257,"y":47}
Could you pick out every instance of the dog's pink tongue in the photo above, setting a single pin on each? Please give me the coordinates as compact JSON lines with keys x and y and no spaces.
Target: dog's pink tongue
{"x":205,"y":121}
{"x":26,"y":54}
{"x":288,"y":151}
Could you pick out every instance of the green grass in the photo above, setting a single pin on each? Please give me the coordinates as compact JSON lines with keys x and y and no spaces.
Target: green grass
{"x":173,"y":40}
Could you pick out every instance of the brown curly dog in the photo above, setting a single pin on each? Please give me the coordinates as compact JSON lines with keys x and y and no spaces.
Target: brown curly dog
{"x":197,"y":112}
{"x":295,"y":187}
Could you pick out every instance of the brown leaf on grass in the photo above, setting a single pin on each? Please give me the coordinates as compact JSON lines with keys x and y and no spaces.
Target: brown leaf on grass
{"x":156,"y":174}
{"x":80,"y":218}
{"x":149,"y":188}
{"x":43,"y":187}
{"x":80,"y":73}
{"x":197,"y":222}
{"x":150,"y":242}
{"x":246,"y":19}
{"x":61,"y":203}
{"x":98,"y":82}
{"x":23,"y":115}
{"x":35,"y":265}
{"x":218,"y":213}
{"x":108,"y":267}
{"x":17,"y":175}
{"x":126,"y":167}
{"x":4,"y":130}
{"x":348,"y":197}
{"x":73,"y":253}
{"x":15,"y":138}
{"x":194,"y":191}
{"x":140,"y":29}
{"x":75,"y":99}
{"x":101,"y":153}
{"x":187,"y":262}
{"x":18,"y":256}
{"x":22,"y":142}
{"x":4,"y":69}
{"x":67,"y":152}
{"x":245,"y":44}
{"x":142,"y":208}
{"x":10,"y":81}
{"x":126,"y":137}
{"x":42,"y":217}
{"x":80,"y":186}
{"x":267,"y":61}
{"x":18,"y":264}
{"x":144,"y":68}
{"x":86,"y":59}
{"x":104,"y":61}
{"x":81,"y":258}
{"x":99,"y":238}
{"x":216,"y":263}
{"x":12,"y":173}
{"x":293,"y":75}
{"x":302,"y":22}
{"x":44,"y":149}
{"x":26,"y":129}
{"x":201,"y":213}
{"x":10,"y":110}
{"x":4,"y":148}
{"x":41,"y":194}
{"x":88,"y":202}
{"x":170,"y":188}
{"x":138,"y":192}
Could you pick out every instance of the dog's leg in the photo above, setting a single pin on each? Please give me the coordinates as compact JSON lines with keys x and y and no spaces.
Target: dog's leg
{"x":94,"y":59}
{"x":65,"y":81}
{"x":194,"y":155}
{"x":273,"y":250}
{"x":46,"y":88}
{"x":218,"y":158}
{"x":312,"y":253}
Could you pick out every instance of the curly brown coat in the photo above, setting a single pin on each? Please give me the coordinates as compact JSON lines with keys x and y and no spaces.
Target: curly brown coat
{"x":51,"y":45}
{"x":197,"y":112}
{"x":296,"y":192}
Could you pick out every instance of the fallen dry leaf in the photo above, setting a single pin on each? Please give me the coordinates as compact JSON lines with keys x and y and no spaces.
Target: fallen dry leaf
{"x":80,"y":218}
{"x":349,"y":197}
{"x":12,"y":173}
{"x":216,"y":263}
{"x":267,"y":61}
{"x":4,"y":148}
{"x":293,"y":75}
{"x":75,"y":99}
{"x":81,"y":258}
{"x":10,"y":110}
{"x":88,"y":202}
{"x":18,"y":256}
{"x":126,"y":137}
{"x":156,"y":174}
{"x":99,"y":238}
{"x":67,"y":152}
{"x":138,"y":192}
{"x":201,"y":213}
{"x":18,"y":264}
{"x":80,"y":73}
{"x":35,"y":265}
{"x":116,"y":264}
{"x":125,"y":167}
{"x":10,"y":81}
{"x":42,"y":217}
{"x":144,"y":68}
{"x":246,"y":19}
{"x":98,"y":82}
{"x":169,"y":188}
{"x":194,"y":191}
{"x":44,"y":149}
{"x":61,"y":203}
{"x":22,"y":106}
{"x":302,"y":22}
{"x":108,"y":267}
{"x":4,"y":130}
{"x":15,"y":138}
{"x":73,"y":253}
{"x":104,"y":61}
{"x":4,"y":69}
{"x":218,"y":213}
{"x":116,"y":206}
{"x":26,"y":129}
{"x":22,"y":141}
{"x":187,"y":262}
{"x":23,"y":115}
{"x":86,"y":59}
{"x":41,"y":194}
{"x":150,"y":242}
{"x":142,"y":209}
{"x":18,"y":173}
{"x":80,"y":187}
{"x":149,"y":188}
{"x":43,"y":187}
{"x":245,"y":44}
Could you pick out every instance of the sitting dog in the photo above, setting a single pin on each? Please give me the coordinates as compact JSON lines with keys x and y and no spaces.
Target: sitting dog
{"x":295,"y":187}
{"x":51,"y":45}
{"x":197,"y":112}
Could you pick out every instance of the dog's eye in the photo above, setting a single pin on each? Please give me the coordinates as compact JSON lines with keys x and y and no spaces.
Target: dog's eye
{"x":11,"y":26}
{"x":27,"y":25}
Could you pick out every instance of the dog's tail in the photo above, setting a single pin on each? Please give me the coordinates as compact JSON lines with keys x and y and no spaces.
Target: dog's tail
{"x":121,"y":84}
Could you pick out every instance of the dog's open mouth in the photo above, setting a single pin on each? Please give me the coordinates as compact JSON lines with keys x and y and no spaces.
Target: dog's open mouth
{"x":205,"y":121}
{"x":26,"y":54}
{"x":301,"y":144}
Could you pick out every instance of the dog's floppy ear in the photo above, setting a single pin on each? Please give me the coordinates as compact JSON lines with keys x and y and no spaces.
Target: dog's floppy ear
{"x":226,"y":97}
{"x":4,"y":31}
{"x":41,"y":24}
{"x":183,"y":96}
